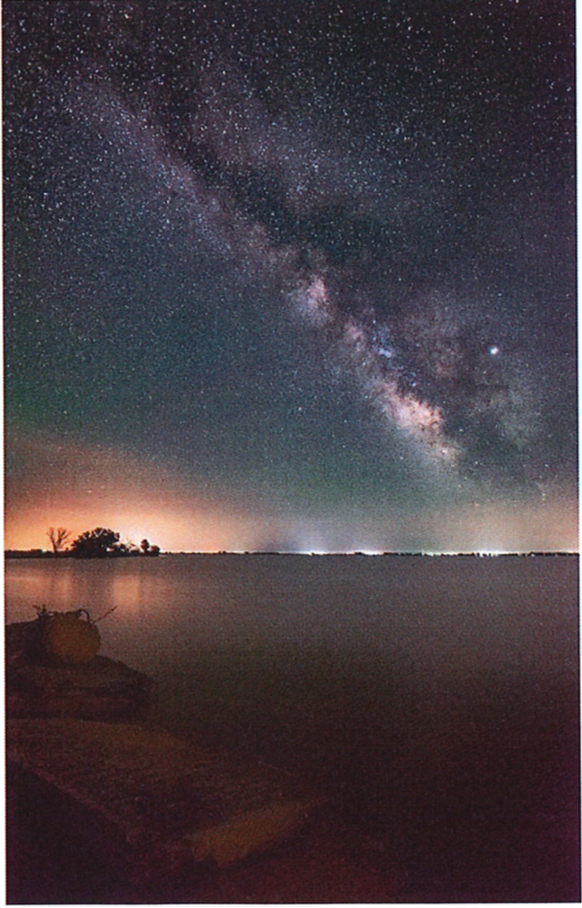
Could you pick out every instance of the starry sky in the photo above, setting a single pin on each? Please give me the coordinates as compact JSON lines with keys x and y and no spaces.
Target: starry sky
{"x":292,"y":276}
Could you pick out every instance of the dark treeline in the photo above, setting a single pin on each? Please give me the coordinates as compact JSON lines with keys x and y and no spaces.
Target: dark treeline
{"x":97,"y":543}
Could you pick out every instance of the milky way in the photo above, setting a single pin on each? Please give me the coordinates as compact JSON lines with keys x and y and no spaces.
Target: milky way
{"x":260,"y":171}
{"x":300,"y":253}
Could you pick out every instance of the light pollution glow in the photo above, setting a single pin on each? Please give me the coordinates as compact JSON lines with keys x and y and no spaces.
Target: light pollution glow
{"x":78,"y":487}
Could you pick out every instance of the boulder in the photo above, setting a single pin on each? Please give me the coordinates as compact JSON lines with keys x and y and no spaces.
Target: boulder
{"x":43,"y":680}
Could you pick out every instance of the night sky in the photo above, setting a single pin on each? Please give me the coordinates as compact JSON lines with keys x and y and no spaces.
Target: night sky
{"x":293,"y":276}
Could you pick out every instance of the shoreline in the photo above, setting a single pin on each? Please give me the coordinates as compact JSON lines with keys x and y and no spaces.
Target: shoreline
{"x":109,"y":805}
{"x":38,"y":553}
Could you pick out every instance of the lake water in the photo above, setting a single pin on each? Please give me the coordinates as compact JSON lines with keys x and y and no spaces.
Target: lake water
{"x":434,"y":699}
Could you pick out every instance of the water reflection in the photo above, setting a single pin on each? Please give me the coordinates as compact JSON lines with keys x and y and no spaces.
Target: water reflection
{"x":461,"y":618}
{"x":63,"y":585}
{"x":127,"y":590}
{"x":436,"y":698}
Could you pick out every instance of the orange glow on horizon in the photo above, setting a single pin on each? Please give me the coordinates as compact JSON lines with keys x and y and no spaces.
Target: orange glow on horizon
{"x":78,"y":487}
{"x":186,"y":531}
{"x":81,"y":488}
{"x":194,"y":527}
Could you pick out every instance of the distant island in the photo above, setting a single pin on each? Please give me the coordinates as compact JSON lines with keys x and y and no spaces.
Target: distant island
{"x":104,"y":543}
{"x":121,"y":550}
{"x":97,"y":543}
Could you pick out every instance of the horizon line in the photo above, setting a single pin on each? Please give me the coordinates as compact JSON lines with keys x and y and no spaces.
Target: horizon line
{"x":351,"y":553}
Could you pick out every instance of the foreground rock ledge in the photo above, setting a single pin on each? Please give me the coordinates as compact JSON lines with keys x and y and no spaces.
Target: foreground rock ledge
{"x":152,"y":805}
{"x":40,"y":685}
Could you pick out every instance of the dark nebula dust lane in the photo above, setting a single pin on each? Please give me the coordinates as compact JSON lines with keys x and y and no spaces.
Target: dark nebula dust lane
{"x":311,"y":264}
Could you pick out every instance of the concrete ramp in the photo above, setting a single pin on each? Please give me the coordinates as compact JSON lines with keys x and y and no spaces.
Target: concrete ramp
{"x":151,"y":805}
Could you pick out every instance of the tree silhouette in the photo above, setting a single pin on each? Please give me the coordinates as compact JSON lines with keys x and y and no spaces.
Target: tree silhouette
{"x":104,"y":543}
{"x":58,"y":538}
{"x":98,"y":543}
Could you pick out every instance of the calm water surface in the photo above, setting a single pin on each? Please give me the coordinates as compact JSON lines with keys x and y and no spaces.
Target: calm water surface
{"x":435,"y":699}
